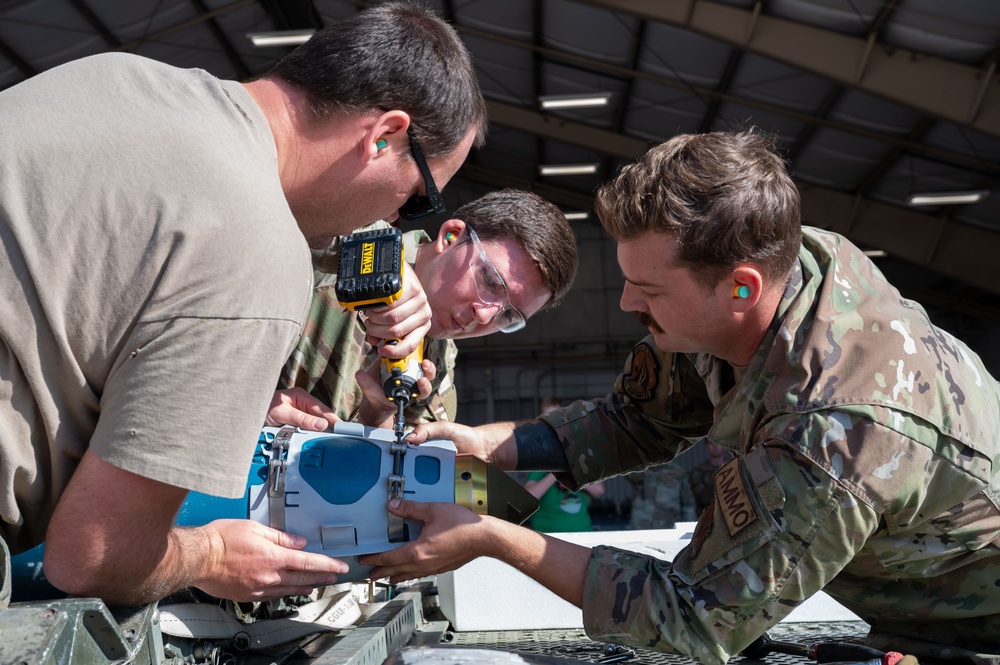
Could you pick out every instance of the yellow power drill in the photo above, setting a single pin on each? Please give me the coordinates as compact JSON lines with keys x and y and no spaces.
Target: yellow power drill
{"x":370,"y":274}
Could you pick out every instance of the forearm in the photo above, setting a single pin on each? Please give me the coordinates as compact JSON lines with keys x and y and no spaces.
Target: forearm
{"x":129,"y":570}
{"x":134,"y":579}
{"x":558,"y":565}
{"x":498,"y":444}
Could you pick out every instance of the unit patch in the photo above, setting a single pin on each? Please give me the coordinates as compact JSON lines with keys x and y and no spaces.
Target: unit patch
{"x":643,"y":373}
{"x":738,"y":511}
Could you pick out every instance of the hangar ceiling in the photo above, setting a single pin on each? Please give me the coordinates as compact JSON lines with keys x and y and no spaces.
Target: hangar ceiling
{"x":871,"y":100}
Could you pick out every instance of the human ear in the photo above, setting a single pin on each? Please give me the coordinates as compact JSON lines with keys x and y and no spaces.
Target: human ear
{"x":744,"y":286}
{"x":385,"y":131}
{"x":449,"y":233}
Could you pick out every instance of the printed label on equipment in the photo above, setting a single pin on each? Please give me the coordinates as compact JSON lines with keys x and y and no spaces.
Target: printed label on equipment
{"x":367,"y":258}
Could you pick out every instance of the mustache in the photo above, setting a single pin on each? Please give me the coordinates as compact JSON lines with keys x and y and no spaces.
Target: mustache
{"x":647,"y":320}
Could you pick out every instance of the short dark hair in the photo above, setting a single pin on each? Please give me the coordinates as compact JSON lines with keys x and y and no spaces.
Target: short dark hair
{"x":537,"y":225}
{"x":396,"y":55}
{"x":726,"y":197}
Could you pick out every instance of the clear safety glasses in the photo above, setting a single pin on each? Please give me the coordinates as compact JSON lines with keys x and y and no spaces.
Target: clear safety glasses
{"x":492,"y":290}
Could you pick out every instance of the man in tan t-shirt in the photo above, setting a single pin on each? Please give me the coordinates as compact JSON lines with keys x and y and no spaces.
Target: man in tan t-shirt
{"x":155,"y":224}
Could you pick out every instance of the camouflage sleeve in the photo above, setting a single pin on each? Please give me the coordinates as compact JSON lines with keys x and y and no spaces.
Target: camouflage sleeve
{"x":331,"y":348}
{"x":659,"y":408}
{"x":442,"y":403}
{"x":753,"y":559}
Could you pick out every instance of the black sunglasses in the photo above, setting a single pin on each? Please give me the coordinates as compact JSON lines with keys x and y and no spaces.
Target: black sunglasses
{"x":418,"y":206}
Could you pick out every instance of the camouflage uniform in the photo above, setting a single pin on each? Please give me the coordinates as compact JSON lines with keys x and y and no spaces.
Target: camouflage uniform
{"x":333,"y":347}
{"x":662,"y":497}
{"x":867,"y":464}
{"x":702,"y":481}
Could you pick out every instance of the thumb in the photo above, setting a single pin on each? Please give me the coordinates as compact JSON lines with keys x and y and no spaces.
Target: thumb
{"x":409,"y":509}
{"x":417,"y":435}
{"x":284,"y":539}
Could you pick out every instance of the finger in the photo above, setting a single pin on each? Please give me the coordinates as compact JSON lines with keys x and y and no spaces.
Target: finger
{"x":417,"y":510}
{"x":302,"y":420}
{"x":291,"y":541}
{"x":392,"y":559}
{"x":370,"y":386}
{"x":424,"y":388}
{"x":406,"y":345}
{"x":375,"y":406}
{"x":418,"y":435}
{"x":381,"y":320}
{"x":314,"y":406}
{"x":438,"y":429}
{"x":414,"y":338}
{"x":430,"y":369}
{"x":311,"y":568}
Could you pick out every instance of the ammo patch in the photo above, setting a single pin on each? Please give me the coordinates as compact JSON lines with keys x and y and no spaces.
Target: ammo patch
{"x":643,"y":373}
{"x":738,"y":511}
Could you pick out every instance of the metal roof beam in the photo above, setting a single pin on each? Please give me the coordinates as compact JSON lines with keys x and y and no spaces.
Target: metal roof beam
{"x":17,"y":60}
{"x":966,"y":95}
{"x":227,"y":48}
{"x":574,"y":133}
{"x":159,"y":34}
{"x":933,"y":152}
{"x":557,"y":195}
{"x":960,"y":251}
{"x":88,"y":14}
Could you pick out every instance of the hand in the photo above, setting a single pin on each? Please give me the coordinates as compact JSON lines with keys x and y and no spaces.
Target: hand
{"x":113,"y":536}
{"x":375,"y":409}
{"x":451,"y":537}
{"x":484,"y":441}
{"x":248,"y":562}
{"x":408,"y":319}
{"x":294,"y":406}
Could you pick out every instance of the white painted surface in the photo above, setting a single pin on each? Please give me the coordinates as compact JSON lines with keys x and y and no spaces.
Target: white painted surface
{"x":486,"y":594}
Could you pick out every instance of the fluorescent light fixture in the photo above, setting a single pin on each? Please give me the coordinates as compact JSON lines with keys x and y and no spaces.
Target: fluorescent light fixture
{"x":280,"y":38}
{"x":875,"y":253}
{"x":947,"y":198}
{"x":567,"y":169}
{"x":551,"y":102}
{"x":577,"y":216}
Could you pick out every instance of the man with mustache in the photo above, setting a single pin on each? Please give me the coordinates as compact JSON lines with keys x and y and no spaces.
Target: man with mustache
{"x":865,"y":439}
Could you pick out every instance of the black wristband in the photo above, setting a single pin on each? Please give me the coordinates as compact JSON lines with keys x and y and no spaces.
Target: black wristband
{"x":538,"y":448}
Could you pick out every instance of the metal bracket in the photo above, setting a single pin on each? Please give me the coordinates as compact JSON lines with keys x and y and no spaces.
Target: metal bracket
{"x":397,"y":482}
{"x":276,"y":468}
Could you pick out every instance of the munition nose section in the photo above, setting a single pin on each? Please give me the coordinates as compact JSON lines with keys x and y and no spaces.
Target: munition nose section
{"x":486,"y":490}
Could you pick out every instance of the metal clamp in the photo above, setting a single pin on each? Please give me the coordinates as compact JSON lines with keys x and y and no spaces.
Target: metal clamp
{"x":397,"y":532}
{"x":276,"y":468}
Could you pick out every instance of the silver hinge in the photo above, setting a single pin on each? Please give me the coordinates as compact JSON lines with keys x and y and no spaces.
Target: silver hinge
{"x":276,"y":467}
{"x":397,"y":483}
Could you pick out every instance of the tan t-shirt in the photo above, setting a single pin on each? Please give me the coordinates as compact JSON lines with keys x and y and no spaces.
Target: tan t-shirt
{"x":152,"y":281}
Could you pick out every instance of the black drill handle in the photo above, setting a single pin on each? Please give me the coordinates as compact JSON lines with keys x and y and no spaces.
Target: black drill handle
{"x":842,"y":652}
{"x":821,"y":652}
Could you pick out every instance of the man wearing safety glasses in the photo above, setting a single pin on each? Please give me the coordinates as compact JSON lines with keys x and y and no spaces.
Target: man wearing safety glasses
{"x":187,"y":208}
{"x":494,"y":264}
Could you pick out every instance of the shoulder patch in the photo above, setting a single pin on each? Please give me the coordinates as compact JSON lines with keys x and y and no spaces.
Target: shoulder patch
{"x":738,"y":511}
{"x":643,"y":373}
